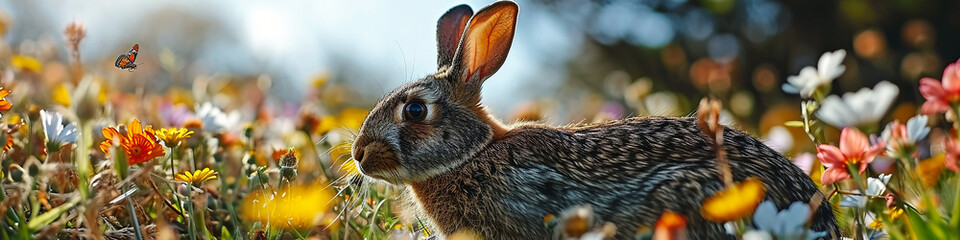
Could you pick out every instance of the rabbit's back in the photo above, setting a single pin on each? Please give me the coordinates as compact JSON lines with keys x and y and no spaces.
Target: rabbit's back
{"x":631,"y":170}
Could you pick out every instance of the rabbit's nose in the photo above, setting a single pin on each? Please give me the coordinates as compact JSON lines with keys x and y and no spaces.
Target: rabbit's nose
{"x":358,"y":154}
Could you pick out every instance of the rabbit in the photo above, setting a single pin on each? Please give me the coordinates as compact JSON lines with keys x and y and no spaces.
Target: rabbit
{"x":467,"y":171}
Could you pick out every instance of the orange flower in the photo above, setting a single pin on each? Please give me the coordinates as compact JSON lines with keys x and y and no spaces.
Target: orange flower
{"x":4,"y":104}
{"x":9,"y":143}
{"x":140,"y":144}
{"x":671,"y":225}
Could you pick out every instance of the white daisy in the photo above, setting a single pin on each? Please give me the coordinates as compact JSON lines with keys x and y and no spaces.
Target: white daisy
{"x":828,"y":68}
{"x":57,"y":135}
{"x":215,"y":120}
{"x":863,"y":107}
{"x":875,"y":187}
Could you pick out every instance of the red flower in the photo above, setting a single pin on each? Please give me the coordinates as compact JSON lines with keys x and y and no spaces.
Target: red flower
{"x":940,"y":95}
{"x":854,"y":149}
{"x":952,"y":147}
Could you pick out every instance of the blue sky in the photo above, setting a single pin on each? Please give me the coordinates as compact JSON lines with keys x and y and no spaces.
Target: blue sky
{"x":392,"y":41}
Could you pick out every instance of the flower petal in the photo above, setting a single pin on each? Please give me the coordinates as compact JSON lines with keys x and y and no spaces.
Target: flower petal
{"x":853,"y":143}
{"x":931,"y":89}
{"x":834,"y":174}
{"x":951,"y":79}
{"x":830,"y":156}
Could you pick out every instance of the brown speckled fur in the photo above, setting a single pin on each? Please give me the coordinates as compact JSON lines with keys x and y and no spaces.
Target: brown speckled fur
{"x":465,"y":170}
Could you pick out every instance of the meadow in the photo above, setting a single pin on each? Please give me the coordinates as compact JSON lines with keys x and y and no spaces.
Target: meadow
{"x":92,"y":153}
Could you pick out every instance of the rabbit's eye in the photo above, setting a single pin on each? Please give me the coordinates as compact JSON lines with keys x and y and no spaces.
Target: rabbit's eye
{"x":414,"y":111}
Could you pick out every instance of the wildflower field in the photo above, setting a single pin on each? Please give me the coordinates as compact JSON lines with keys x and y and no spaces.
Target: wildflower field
{"x":93,"y":150}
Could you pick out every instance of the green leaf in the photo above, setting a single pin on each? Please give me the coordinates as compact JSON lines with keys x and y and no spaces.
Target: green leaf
{"x":919,"y":226}
{"x":120,"y":162}
{"x":796,"y":124}
{"x":46,"y":218}
{"x":225,"y":234}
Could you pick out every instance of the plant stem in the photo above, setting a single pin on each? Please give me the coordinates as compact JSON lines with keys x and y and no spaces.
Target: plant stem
{"x":84,"y":169}
{"x":136,"y":222}
{"x":955,"y":216}
{"x":192,"y":219}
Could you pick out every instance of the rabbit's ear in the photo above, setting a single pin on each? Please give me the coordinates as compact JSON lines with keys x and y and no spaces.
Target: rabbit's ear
{"x":486,"y":42}
{"x":449,"y":31}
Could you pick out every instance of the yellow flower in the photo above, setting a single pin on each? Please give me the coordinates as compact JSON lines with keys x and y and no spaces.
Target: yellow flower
{"x":894,"y":213}
{"x":25,"y":63}
{"x":61,"y":95}
{"x":296,"y":207}
{"x":735,"y":202}
{"x":876,"y":224}
{"x":326,"y":124}
{"x":340,"y":154}
{"x":320,"y":79}
{"x":173,"y":136}
{"x":929,"y":170}
{"x":197,"y":177}
{"x":352,"y":118}
{"x":465,"y":234}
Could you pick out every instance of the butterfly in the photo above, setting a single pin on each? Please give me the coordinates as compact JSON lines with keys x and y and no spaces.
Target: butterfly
{"x":126,"y":60}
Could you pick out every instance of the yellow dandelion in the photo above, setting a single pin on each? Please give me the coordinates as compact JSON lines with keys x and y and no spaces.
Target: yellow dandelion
{"x":61,"y":95}
{"x":326,"y":124}
{"x":173,"y":136}
{"x":296,"y":207}
{"x":26,"y":63}
{"x":735,"y":202}
{"x":352,"y":118}
{"x":340,"y":154}
{"x":929,"y":170}
{"x":876,"y":224}
{"x":197,"y":177}
{"x":894,"y":214}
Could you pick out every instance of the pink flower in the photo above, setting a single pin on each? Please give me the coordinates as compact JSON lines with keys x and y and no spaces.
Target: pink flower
{"x":854,"y":149}
{"x":940,"y":96}
{"x":952,"y":146}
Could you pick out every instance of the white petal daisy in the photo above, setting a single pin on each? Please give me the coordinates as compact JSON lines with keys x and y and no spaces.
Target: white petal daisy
{"x":55,"y":132}
{"x":863,"y":107}
{"x":215,"y":120}
{"x":829,"y":67}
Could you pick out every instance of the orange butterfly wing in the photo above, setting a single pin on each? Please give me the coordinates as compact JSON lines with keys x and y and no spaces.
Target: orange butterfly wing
{"x":127,"y":60}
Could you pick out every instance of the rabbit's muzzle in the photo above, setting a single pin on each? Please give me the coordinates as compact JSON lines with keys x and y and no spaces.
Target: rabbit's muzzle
{"x":376,"y":159}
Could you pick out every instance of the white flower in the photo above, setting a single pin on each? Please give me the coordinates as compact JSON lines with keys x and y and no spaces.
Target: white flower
{"x":917,"y":128}
{"x":214,"y":120}
{"x":875,"y":187}
{"x":828,"y":68}
{"x":787,"y":224}
{"x":804,"y":161}
{"x":57,"y":135}
{"x":757,"y":235}
{"x":863,"y":107}
{"x":779,"y":139}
